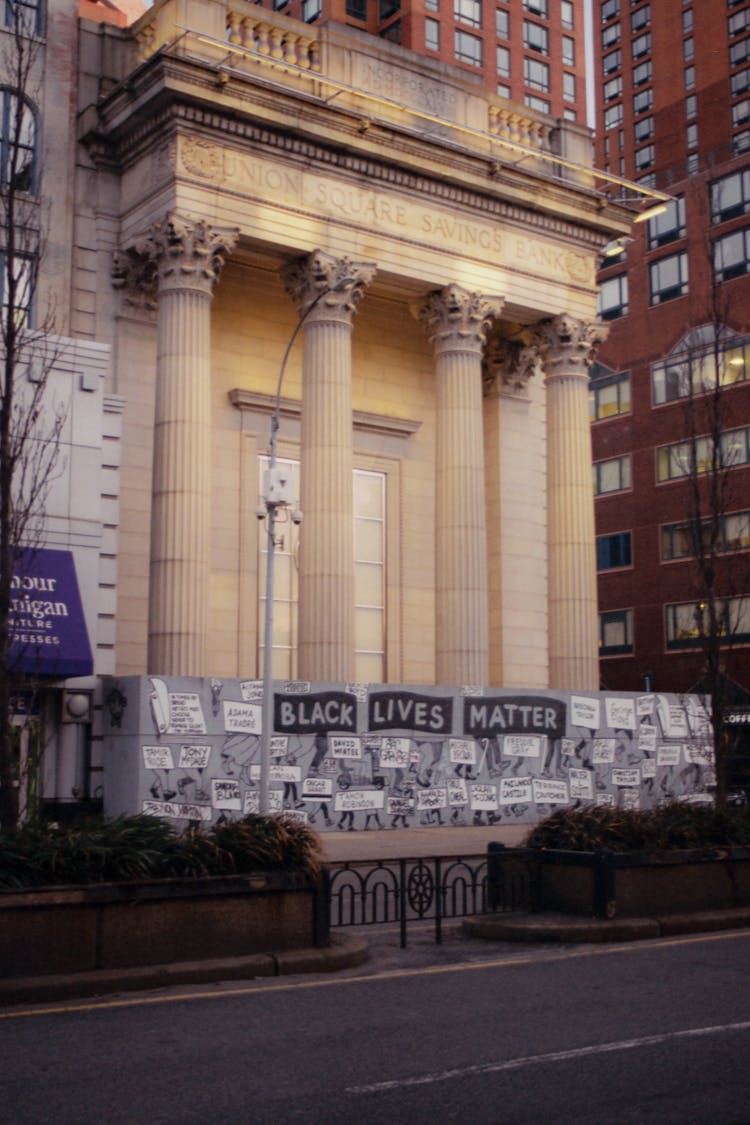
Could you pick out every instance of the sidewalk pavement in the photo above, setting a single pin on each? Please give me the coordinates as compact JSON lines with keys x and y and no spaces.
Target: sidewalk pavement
{"x":553,"y":927}
{"x":413,"y":843}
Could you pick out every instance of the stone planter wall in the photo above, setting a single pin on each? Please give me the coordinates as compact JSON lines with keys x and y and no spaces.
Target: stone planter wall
{"x":122,"y":925}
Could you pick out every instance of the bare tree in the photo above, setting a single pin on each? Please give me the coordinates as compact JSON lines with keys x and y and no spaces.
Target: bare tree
{"x":721,"y":584}
{"x":30,"y":422}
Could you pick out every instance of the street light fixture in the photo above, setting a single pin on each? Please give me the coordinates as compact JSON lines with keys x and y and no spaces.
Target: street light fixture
{"x":277,"y":495}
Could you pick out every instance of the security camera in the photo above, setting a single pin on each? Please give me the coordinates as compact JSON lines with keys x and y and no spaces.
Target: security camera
{"x":260,"y":512}
{"x":297,"y":516}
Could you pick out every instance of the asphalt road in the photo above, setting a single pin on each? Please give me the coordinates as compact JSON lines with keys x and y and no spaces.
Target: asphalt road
{"x":468,"y":1032}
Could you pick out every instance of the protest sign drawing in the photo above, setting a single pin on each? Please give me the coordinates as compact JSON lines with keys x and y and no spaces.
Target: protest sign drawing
{"x":345,"y":746}
{"x":395,"y":753}
{"x":630,"y":778}
{"x":620,"y":713}
{"x":568,"y":746}
{"x":630,"y":798}
{"x":251,"y":691}
{"x":668,"y":755}
{"x":457,"y":792}
{"x":225,"y":793}
{"x":672,"y":718}
{"x":399,"y":806}
{"x":603,"y":751}
{"x":176,"y":810}
{"x":645,"y":705}
{"x":648,"y":768}
{"x":158,"y":757}
{"x":483,"y":797}
{"x":194,"y":757}
{"x":580,"y":784}
{"x":647,"y":738}
{"x":285,"y":773}
{"x":175,"y":712}
{"x":251,"y":801}
{"x":242,"y":718}
{"x":548,"y":791}
{"x":315,"y":788}
{"x":523,"y":745}
{"x":605,"y":800}
{"x":278,"y":744}
{"x":432,"y":799}
{"x":585,"y":712}
{"x":699,"y":755}
{"x":462,"y":751}
{"x":515,"y":791}
{"x":356,"y":800}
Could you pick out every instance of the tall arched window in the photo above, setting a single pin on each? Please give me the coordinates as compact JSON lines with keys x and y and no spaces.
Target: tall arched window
{"x":18,"y":138}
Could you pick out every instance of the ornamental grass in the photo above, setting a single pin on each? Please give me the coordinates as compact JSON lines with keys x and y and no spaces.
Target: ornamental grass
{"x":676,"y":825}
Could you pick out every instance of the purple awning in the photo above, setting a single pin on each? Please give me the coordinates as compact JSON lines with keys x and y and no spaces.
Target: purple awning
{"x":48,"y":635}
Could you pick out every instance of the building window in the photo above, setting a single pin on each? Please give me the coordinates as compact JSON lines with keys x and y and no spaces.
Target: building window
{"x":569,"y":114}
{"x":689,"y":77}
{"x":468,"y":48}
{"x":731,"y":255}
{"x":357,"y":9}
{"x":432,"y":35}
{"x":684,"y":458}
{"x":615,"y":632}
{"x":690,"y":106}
{"x":567,"y":14}
{"x":369,"y":492}
{"x":468,"y":11}
{"x":26,"y":15}
{"x":692,"y":367}
{"x":740,"y":81}
{"x":392,"y":33}
{"x":733,"y":535}
{"x":641,"y":45}
{"x":612,"y":475}
{"x":688,"y":49}
{"x":643,"y":101}
{"x":640,"y":18}
{"x":503,"y":62}
{"x":741,"y":142}
{"x":568,"y":51}
{"x":535,"y":37}
{"x":538,"y":7}
{"x":642,"y":130}
{"x":730,"y":196}
{"x":667,"y":226}
{"x":17,"y":143}
{"x":613,"y":297}
{"x":609,"y":394}
{"x":687,"y":20}
{"x":311,"y":9}
{"x":610,"y":9}
{"x":612,"y":62}
{"x":569,"y":87}
{"x":538,"y":104}
{"x":502,"y":21}
{"x":613,"y":551}
{"x":536,"y":75}
{"x":24,"y":279}
{"x":613,"y":116}
{"x":503,"y":91}
{"x":691,"y":135}
{"x":432,"y":5}
{"x":741,"y":112}
{"x":739,"y":22}
{"x":642,"y":73}
{"x":687,"y":624}
{"x":610,"y":35}
{"x":668,"y":278}
{"x":644,"y":158}
{"x":739,"y":52}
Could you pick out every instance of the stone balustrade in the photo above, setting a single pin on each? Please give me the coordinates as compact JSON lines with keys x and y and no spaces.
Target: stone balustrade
{"x":271,"y":39}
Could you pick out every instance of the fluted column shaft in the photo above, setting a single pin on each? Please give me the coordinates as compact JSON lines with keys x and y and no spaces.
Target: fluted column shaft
{"x":573,"y":623}
{"x":457,"y":322}
{"x":188,"y":258}
{"x":327,"y":292}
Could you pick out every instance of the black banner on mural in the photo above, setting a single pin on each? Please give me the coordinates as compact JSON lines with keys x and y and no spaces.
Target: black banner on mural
{"x":317,"y":713}
{"x":488,"y":715}
{"x":407,"y":710}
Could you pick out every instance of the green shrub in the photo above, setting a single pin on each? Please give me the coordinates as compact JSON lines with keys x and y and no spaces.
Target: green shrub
{"x":128,"y":848}
{"x":675,"y":825}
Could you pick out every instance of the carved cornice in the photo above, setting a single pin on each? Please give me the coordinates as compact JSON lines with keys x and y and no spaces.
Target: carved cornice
{"x":327,"y":288}
{"x":363,"y":421}
{"x":455,"y":319}
{"x":569,"y":345}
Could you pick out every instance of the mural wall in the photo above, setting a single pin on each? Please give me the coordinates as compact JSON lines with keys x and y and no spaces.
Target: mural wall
{"x":357,"y":756}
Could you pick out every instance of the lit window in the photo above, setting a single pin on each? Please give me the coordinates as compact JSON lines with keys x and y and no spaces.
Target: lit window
{"x":432,"y":35}
{"x":568,"y":51}
{"x":613,"y":297}
{"x":609,"y":393}
{"x":535,"y":37}
{"x":667,"y":226}
{"x":503,"y":62}
{"x":17,"y":143}
{"x":733,"y":532}
{"x":536,"y":74}
{"x":502,"y":20}
{"x":685,"y":458}
{"x":613,"y":551}
{"x":731,"y":253}
{"x":641,"y":45}
{"x":468,"y":11}
{"x":691,"y":367}
{"x":468,"y":48}
{"x":688,"y":624}
{"x":612,"y":475}
{"x":640,"y":18}
{"x":668,"y":278}
{"x":616,"y":632}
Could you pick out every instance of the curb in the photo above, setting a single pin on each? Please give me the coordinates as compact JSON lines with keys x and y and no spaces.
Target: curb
{"x":342,"y":953}
{"x":568,"y":928}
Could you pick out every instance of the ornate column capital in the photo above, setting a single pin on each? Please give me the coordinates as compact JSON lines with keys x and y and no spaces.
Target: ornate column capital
{"x":569,"y":345}
{"x":457,"y":320}
{"x":176,"y":253}
{"x":334,"y":286}
{"x":509,"y":365}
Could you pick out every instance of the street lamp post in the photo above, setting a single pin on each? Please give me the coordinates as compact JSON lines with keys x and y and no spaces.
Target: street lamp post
{"x":277,"y":495}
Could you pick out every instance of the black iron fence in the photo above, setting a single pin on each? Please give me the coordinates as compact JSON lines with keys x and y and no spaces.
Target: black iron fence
{"x":435,"y":888}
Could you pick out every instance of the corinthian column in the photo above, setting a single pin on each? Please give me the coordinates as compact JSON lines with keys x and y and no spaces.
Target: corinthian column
{"x":573,"y":629}
{"x":327,"y":292}
{"x":457,"y":322}
{"x":187,"y":257}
